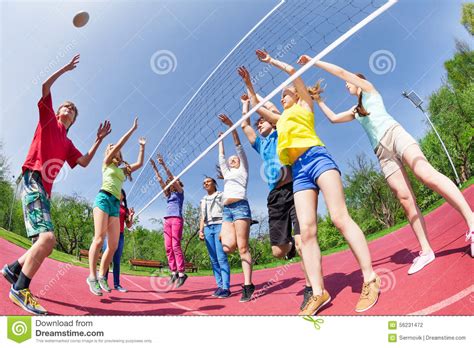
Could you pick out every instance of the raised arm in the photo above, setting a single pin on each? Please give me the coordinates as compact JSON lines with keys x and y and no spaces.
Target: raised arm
{"x":222,"y":161}
{"x":157,"y":174}
{"x":267,"y":114}
{"x":46,"y":87}
{"x":228,"y":122}
{"x":102,"y":132}
{"x":117,"y":147}
{"x":129,"y":220}
{"x":176,"y":184}
{"x":245,"y":125}
{"x":343,"y":74}
{"x":141,"y":155}
{"x":301,"y":89}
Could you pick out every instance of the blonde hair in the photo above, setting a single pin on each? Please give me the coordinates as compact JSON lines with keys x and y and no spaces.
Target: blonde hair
{"x":316,"y":90}
{"x":118,"y":161}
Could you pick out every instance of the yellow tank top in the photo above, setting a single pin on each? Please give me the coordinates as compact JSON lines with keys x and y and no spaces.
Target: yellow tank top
{"x":296,"y":134}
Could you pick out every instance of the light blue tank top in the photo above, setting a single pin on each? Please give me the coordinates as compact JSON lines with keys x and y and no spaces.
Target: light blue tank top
{"x":378,"y":121}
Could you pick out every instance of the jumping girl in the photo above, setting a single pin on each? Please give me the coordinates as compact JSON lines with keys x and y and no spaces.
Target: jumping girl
{"x":126,"y":219}
{"x":394,"y":147}
{"x":107,"y":209}
{"x":173,"y":226}
{"x":236,"y":215}
{"x":209,"y":230}
{"x":313,"y":170}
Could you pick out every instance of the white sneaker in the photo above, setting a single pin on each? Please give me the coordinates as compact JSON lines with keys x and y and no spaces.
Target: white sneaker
{"x":470,"y":237}
{"x":421,"y":261}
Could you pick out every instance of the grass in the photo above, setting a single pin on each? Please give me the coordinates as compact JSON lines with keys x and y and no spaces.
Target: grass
{"x":143,"y":271}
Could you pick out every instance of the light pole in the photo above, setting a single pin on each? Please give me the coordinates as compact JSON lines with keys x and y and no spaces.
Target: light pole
{"x":416,"y":100}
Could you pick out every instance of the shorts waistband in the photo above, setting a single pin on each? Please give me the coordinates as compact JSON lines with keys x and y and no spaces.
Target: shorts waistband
{"x":106,"y":192}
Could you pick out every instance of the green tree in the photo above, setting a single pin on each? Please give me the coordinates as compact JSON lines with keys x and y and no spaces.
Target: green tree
{"x":460,"y":69}
{"x":467,"y":18}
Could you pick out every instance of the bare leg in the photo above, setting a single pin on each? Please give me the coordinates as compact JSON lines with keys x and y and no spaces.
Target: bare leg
{"x":112,"y":243}
{"x":228,"y":238}
{"x":298,"y":250}
{"x":242,"y":231}
{"x":35,"y":256}
{"x":101,"y":220}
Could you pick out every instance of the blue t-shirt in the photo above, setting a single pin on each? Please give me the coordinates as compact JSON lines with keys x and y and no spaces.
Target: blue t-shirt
{"x":267,"y":148}
{"x":174,"y":207}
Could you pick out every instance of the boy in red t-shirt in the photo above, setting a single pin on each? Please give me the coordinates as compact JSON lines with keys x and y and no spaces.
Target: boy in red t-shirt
{"x":48,"y":151}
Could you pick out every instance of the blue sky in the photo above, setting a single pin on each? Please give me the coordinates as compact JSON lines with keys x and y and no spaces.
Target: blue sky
{"x":114,"y":79}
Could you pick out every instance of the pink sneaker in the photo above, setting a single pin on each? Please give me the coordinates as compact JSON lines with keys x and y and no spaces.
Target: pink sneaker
{"x":470,"y":237}
{"x":421,"y":261}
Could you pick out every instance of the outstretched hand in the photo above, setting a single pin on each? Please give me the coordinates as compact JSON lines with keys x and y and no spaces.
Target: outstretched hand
{"x":226,"y":120}
{"x":303,"y":59}
{"x":244,"y":74}
{"x":142,"y":141}
{"x":244,"y":98}
{"x":135,"y":123}
{"x":263,"y":56}
{"x":160,"y":159}
{"x":104,"y":130}
{"x":73,"y":63}
{"x":153,"y":164}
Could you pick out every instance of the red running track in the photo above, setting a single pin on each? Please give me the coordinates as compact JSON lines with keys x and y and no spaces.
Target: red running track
{"x":445,"y":287}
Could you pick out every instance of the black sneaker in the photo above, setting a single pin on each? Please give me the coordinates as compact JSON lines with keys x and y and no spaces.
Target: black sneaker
{"x":173,"y":278}
{"x":308,"y":292}
{"x":181,"y":281}
{"x":9,"y":275}
{"x":247,"y":292}
{"x":224,"y":293}
{"x":292,"y":253}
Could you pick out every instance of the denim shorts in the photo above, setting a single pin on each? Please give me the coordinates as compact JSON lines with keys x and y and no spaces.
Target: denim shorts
{"x":236,"y":211}
{"x":309,"y":167}
{"x":108,"y":203}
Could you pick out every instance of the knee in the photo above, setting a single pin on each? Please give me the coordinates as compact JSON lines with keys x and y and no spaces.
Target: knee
{"x":227,"y":249}
{"x":48,"y":241}
{"x":427,"y":175}
{"x":341,"y":220}
{"x":277,"y":252}
{"x":308,"y":236}
{"x":407,"y":202}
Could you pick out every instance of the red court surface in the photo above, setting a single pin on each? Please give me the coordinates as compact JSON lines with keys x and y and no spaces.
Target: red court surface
{"x":445,"y":287}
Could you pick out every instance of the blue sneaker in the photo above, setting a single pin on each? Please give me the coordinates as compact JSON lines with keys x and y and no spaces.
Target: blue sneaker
{"x":217,"y":292}
{"x":25,"y":299}
{"x":224,"y":293}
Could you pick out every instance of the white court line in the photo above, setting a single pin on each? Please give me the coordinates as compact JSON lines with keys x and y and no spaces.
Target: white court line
{"x":162,"y":298}
{"x":445,"y":303}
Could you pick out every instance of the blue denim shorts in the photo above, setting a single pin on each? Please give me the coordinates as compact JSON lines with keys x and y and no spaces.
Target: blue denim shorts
{"x":309,"y":167}
{"x":108,"y":203}
{"x":236,"y":211}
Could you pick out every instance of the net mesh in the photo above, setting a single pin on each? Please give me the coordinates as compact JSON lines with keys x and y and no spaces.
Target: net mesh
{"x":294,"y":27}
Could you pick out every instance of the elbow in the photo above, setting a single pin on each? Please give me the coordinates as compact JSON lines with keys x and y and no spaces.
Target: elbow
{"x":291,"y":70}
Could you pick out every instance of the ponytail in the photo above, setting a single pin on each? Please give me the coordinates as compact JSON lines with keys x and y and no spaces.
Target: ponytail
{"x":360,"y":108}
{"x":316,"y":90}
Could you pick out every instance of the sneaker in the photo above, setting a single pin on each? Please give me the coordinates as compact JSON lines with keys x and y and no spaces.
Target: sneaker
{"x":94,"y":286}
{"x":421,"y":261}
{"x":25,"y":299}
{"x":120,"y":289}
{"x":308,"y":292}
{"x":9,"y":275}
{"x":181,"y":281}
{"x":315,"y":303}
{"x":217,"y":292}
{"x":224,"y":293}
{"x":247,"y":292}
{"x":470,"y":237}
{"x":103,"y":284}
{"x":369,"y":296}
{"x":173,"y":278}
{"x":292,"y":253}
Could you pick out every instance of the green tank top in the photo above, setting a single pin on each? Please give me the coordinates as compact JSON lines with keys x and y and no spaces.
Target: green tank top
{"x":378,"y":121}
{"x":112,"y":179}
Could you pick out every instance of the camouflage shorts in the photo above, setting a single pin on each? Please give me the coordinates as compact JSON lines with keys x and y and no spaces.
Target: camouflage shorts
{"x":36,"y":205}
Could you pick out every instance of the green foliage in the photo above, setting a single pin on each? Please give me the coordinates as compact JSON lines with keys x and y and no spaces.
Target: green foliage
{"x":467,"y":18}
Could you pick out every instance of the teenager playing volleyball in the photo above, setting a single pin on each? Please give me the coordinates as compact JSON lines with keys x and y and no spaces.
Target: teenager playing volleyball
{"x":210,"y":226}
{"x":394,"y":147}
{"x":173,"y":226}
{"x":236,"y":215}
{"x":48,"y":151}
{"x":107,"y":209}
{"x":314,"y":169}
{"x":126,"y":219}
{"x":280,"y":202}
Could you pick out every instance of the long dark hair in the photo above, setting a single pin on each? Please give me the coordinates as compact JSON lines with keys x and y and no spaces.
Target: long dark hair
{"x":360,"y":108}
{"x":124,"y":203}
